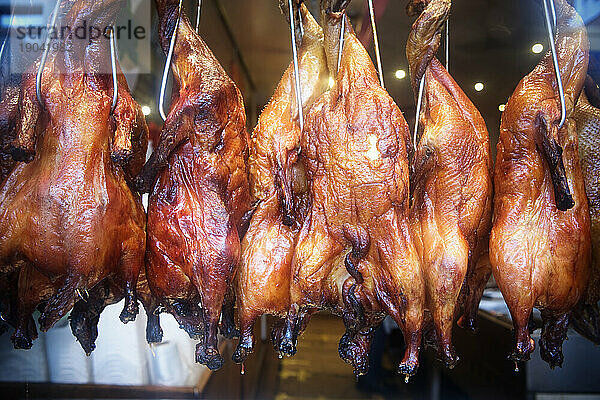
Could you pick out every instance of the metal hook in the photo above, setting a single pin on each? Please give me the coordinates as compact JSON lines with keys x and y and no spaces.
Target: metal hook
{"x":113,"y":64}
{"x":341,"y":46}
{"x":300,"y":22}
{"x":376,"y":42}
{"x":553,"y":9}
{"x":561,"y":91}
{"x":419,"y":105}
{"x":198,"y":15}
{"x":38,"y":77}
{"x":296,"y":68}
{"x":165,"y":75}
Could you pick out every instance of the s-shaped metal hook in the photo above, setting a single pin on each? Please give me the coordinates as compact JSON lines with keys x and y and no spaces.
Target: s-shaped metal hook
{"x":165,"y":75}
{"x":561,"y":90}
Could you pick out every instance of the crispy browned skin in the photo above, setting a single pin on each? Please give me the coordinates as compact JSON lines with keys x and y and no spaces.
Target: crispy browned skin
{"x":197,"y":206}
{"x":586,"y":317}
{"x":452,"y":183}
{"x":68,"y":214}
{"x":9,"y":114}
{"x":354,"y":146}
{"x":540,"y":240}
{"x":278,"y":181}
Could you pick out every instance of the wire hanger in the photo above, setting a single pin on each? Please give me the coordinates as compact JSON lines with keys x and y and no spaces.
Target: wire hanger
{"x":561,"y":90}
{"x":198,"y":15}
{"x":38,"y":77}
{"x":165,"y":76}
{"x":376,"y":42}
{"x":114,"y":57}
{"x":341,"y":45}
{"x":296,"y":68}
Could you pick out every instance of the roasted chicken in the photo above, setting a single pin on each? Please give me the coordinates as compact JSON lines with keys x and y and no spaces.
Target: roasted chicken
{"x":540,"y":240}
{"x":68,"y":217}
{"x":278,"y":182}
{"x":354,"y":146}
{"x":451,"y":184}
{"x":200,"y":197}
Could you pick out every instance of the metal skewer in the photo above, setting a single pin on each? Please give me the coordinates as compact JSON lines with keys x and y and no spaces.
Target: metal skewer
{"x":38,"y":77}
{"x":341,"y":46}
{"x":296,"y":68}
{"x":113,"y":65}
{"x":165,"y":76}
{"x":376,"y":42}
{"x":561,"y":91}
{"x":198,"y":15}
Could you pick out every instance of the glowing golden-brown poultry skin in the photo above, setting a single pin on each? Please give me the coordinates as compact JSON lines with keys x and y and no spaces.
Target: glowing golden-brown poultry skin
{"x":67,"y":215}
{"x":278,"y":182}
{"x":452,"y":182}
{"x":354,"y":147}
{"x":201,"y":195}
{"x":540,"y":240}
{"x":9,"y":113}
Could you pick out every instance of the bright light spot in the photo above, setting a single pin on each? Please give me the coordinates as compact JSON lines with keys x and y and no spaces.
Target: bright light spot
{"x":479,"y":86}
{"x":502,"y":107}
{"x":537,"y":48}
{"x":331,"y":82}
{"x":373,"y":153}
{"x":400,"y":74}
{"x":146,"y":110}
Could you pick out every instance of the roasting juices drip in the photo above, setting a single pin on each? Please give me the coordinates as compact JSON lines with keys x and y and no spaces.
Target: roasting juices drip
{"x":198,"y":181}
{"x":451,"y":209}
{"x":586,"y":317}
{"x":69,"y":221}
{"x":540,"y":240}
{"x":278,"y":182}
{"x":354,"y":253}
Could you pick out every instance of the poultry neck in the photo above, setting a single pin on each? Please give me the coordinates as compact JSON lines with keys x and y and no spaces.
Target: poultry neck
{"x":191,"y":55}
{"x":89,"y":56}
{"x":331,"y":21}
{"x":425,"y":35}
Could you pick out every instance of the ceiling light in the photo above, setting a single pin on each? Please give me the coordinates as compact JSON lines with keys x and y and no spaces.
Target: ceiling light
{"x":331,"y":82}
{"x":400,"y":74}
{"x":146,"y":110}
{"x":479,"y":86}
{"x":502,"y":107}
{"x":537,"y":48}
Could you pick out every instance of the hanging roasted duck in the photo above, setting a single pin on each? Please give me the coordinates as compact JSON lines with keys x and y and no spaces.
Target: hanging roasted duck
{"x":354,"y":146}
{"x":198,"y":181}
{"x":67,"y":214}
{"x":278,"y":182}
{"x":586,"y":316}
{"x":451,"y":184}
{"x":540,"y":240}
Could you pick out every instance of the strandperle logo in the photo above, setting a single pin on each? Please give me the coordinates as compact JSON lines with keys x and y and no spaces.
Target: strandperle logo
{"x":30,"y":33}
